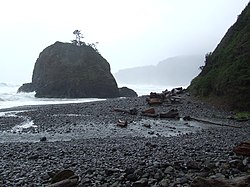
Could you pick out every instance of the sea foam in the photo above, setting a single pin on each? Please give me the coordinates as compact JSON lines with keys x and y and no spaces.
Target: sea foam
{"x":10,"y":98}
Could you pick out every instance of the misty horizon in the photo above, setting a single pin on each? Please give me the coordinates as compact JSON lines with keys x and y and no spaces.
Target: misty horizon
{"x":128,"y":35}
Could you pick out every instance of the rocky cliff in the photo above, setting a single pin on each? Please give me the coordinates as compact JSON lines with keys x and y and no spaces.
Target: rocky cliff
{"x":179,"y":70}
{"x":225,"y":78}
{"x":65,"y":70}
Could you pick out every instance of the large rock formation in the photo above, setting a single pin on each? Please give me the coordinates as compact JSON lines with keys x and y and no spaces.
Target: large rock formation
{"x":65,"y":70}
{"x":225,"y":78}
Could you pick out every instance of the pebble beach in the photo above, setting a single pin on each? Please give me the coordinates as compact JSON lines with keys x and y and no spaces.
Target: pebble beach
{"x":85,"y":138}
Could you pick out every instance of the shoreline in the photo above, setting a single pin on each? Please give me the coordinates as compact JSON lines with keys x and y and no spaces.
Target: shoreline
{"x":104,"y":161}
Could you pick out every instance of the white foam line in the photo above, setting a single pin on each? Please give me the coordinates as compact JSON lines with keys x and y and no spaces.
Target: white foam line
{"x":25,"y":125}
{"x":11,"y":113}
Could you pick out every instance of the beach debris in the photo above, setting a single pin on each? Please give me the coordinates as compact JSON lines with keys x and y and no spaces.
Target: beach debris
{"x":176,"y":91}
{"x":189,"y":118}
{"x":243,"y":148}
{"x":166,"y":96}
{"x":175,"y":99}
{"x":149,"y":112}
{"x":64,"y":178}
{"x":154,"y":101}
{"x":173,"y":113}
{"x":132,"y":111}
{"x":236,"y":182}
{"x":122,"y":123}
{"x":158,"y":95}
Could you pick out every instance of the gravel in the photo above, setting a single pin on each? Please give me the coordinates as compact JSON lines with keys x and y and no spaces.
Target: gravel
{"x":84,"y":138}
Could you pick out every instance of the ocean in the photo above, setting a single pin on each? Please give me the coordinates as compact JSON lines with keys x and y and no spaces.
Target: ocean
{"x":10,"y":98}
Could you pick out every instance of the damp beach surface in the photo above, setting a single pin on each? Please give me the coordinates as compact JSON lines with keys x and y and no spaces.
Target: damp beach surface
{"x":65,"y":122}
{"x":85,"y":138}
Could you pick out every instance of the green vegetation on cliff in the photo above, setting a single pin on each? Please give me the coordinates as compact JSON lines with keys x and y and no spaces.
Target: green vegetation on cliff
{"x":226,"y":74}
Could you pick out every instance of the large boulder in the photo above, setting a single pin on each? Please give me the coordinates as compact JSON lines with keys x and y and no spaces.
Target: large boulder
{"x":65,"y":70}
{"x":127,"y":92}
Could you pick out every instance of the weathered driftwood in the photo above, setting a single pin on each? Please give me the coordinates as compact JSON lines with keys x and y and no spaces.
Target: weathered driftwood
{"x":243,"y":148}
{"x":175,"y":99}
{"x":170,"y":114}
{"x":178,"y":90}
{"x":157,"y":95}
{"x":149,"y":111}
{"x":154,"y":101}
{"x":165,"y":96}
{"x":189,"y":118}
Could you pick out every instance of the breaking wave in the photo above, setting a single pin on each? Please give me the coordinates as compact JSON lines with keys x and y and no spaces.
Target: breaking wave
{"x":10,"y":98}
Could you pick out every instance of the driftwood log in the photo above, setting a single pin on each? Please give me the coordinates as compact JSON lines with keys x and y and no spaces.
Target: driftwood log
{"x":165,"y":96}
{"x":189,"y":118}
{"x":243,"y":148}
{"x":154,"y":101}
{"x":170,"y":114}
{"x":149,"y":111}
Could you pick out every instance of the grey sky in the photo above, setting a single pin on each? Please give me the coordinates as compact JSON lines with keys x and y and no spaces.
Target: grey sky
{"x":130,"y":32}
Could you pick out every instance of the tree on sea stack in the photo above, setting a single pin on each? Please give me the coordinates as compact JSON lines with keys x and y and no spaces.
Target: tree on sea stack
{"x":78,"y":35}
{"x":78,"y":41}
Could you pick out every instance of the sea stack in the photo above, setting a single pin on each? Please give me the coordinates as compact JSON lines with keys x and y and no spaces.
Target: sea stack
{"x":65,"y":70}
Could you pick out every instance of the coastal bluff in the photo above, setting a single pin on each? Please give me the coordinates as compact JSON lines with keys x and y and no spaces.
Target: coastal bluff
{"x":65,"y":70}
{"x":225,"y":77}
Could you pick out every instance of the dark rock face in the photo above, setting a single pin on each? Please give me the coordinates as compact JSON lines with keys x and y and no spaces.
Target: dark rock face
{"x":65,"y":70}
{"x":27,"y":87}
{"x":127,"y":92}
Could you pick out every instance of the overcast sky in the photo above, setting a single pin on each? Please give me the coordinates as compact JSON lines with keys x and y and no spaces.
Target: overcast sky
{"x":130,"y":32}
